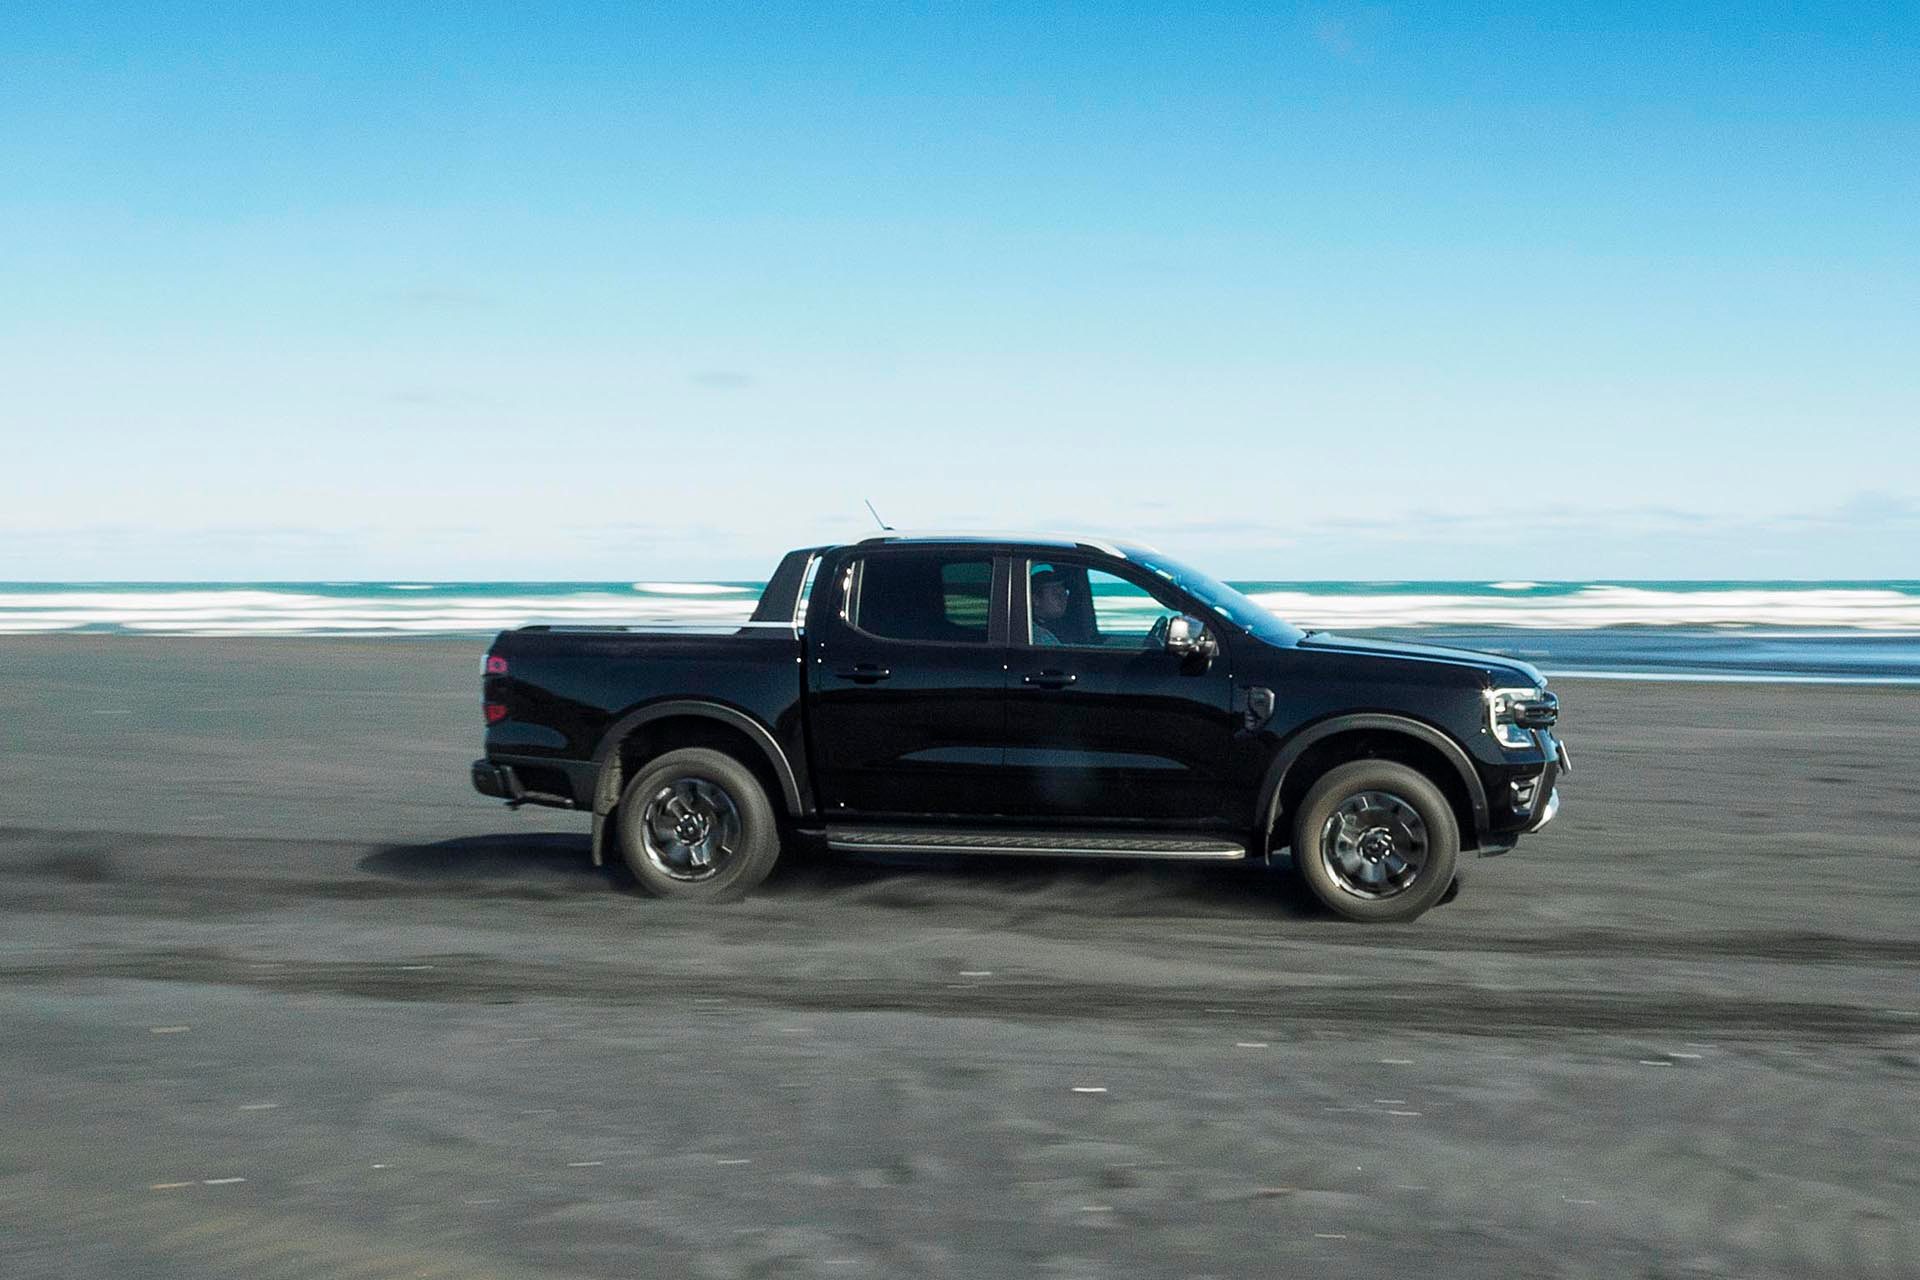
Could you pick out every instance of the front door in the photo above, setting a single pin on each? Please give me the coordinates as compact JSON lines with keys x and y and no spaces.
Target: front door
{"x":1103,"y":722}
{"x":907,"y":671}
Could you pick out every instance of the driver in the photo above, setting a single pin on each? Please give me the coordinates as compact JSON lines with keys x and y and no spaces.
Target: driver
{"x":1049,"y":592}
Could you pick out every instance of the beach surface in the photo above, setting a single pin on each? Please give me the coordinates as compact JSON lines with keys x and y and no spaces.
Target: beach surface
{"x":283,"y":997}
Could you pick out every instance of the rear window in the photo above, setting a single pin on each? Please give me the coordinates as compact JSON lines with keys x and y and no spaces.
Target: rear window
{"x":922,"y":596}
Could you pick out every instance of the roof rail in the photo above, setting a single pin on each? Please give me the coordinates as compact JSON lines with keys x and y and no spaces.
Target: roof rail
{"x":976,"y":535}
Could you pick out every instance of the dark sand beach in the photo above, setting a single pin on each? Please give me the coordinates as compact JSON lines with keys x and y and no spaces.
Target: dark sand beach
{"x":283,"y":998}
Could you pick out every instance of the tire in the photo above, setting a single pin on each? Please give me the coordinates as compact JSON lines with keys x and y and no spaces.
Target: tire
{"x":695,"y":804}
{"x":1376,"y":841}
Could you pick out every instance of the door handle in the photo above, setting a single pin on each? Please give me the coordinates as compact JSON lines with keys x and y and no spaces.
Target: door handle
{"x":864,"y":673}
{"x":1049,"y":679}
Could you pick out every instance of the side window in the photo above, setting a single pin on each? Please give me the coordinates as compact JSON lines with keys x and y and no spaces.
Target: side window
{"x":926,"y":597}
{"x":1070,"y":604}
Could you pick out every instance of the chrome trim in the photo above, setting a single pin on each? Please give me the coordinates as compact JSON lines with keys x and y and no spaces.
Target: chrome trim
{"x":846,"y":593}
{"x":805,"y":594}
{"x":1187,"y":636}
{"x":1546,"y":815}
{"x":1226,"y":852}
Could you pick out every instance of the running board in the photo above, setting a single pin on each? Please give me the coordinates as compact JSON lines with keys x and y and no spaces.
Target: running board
{"x":1033,"y":844}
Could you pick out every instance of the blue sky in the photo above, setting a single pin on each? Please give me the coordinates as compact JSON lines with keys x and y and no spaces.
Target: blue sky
{"x":657,"y":290}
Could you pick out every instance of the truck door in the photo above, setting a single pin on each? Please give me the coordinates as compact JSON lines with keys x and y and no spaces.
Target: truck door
{"x":906,"y":669}
{"x":1103,"y":722}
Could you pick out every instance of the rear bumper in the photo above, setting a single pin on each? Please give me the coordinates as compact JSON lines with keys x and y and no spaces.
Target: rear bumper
{"x":495,"y":780}
{"x":501,"y":782}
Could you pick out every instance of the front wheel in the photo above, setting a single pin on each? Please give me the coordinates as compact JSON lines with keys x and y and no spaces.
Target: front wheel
{"x":696,"y":823}
{"x":1376,"y":841}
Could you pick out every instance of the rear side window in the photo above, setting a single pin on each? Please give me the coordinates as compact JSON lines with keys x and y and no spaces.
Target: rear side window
{"x":917,"y":596}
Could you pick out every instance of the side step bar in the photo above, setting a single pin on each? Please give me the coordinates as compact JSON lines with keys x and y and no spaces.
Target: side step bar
{"x":1036,"y":844}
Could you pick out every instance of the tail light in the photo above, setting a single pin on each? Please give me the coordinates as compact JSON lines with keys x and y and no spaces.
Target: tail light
{"x":495,"y":666}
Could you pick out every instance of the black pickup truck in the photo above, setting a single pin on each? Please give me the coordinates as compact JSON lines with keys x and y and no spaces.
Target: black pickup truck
{"x":1004,"y":695}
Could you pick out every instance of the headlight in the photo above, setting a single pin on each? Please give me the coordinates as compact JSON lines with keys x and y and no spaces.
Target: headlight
{"x":1512,"y":715}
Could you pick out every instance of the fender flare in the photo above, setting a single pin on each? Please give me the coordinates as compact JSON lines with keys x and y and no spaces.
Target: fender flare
{"x":606,"y":757}
{"x":1298,"y":745}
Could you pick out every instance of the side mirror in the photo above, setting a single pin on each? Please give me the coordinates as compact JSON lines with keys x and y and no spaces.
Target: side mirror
{"x":1187,"y":637}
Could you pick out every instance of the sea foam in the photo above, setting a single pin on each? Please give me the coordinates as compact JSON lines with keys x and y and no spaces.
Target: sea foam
{"x":477,"y":608}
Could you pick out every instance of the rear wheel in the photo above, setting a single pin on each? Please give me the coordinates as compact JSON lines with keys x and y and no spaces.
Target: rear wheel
{"x":696,"y":823}
{"x":1375,"y":840}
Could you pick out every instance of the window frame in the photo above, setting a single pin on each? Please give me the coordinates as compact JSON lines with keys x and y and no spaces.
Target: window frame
{"x":852,"y":572}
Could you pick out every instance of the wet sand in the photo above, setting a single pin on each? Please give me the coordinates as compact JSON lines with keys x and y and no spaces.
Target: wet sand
{"x":282,"y":997}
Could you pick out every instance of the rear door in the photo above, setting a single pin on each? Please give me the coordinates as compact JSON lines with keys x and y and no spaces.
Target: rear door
{"x":1103,"y":722}
{"x":906,"y":659}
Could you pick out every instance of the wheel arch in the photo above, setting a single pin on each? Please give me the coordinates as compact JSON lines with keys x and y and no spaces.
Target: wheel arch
{"x":665,"y":726}
{"x":1372,"y":735}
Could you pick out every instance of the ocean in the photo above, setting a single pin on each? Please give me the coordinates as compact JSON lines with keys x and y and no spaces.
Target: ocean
{"x":1842,"y":631}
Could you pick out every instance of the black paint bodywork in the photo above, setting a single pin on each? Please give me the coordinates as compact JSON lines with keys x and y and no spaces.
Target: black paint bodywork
{"x":851,"y":727}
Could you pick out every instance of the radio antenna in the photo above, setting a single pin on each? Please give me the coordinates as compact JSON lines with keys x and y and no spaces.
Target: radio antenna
{"x":884,"y":526}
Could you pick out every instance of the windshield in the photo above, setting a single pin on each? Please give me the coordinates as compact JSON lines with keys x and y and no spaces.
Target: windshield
{"x":1220,"y":597}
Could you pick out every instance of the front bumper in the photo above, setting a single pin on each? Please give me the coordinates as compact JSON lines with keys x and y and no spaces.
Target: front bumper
{"x":1547,"y":811}
{"x":1558,"y":767}
{"x":1527,"y":797}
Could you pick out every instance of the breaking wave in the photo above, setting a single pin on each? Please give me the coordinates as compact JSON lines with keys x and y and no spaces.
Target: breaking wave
{"x":1593,"y":606}
{"x":414,"y":608}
